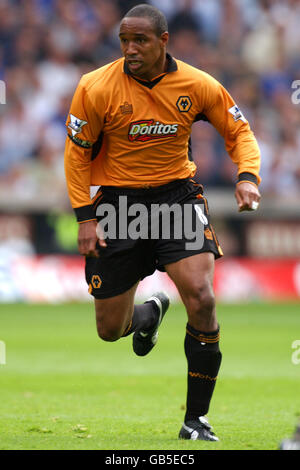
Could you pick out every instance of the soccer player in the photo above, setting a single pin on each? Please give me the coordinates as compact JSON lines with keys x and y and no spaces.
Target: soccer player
{"x":128,"y":134}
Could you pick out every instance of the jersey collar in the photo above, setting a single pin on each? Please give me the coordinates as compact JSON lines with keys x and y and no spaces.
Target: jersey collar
{"x":171,"y":67}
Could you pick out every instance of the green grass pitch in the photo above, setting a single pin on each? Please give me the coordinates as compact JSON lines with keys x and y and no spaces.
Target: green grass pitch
{"x":63,"y":388}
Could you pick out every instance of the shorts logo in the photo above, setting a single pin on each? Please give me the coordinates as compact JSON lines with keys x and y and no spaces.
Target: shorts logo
{"x":208,"y":234}
{"x":184,"y":104}
{"x":96,"y":281}
{"x":148,"y":129}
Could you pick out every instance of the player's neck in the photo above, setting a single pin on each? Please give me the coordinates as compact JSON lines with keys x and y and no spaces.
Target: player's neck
{"x":160,"y":67}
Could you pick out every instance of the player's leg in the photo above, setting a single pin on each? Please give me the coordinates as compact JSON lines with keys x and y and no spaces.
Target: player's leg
{"x":145,"y":338}
{"x":193,"y":277}
{"x":117,"y":317}
{"x":114,"y":314}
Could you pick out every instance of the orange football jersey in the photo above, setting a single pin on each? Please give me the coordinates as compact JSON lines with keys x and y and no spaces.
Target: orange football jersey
{"x":124,"y":131}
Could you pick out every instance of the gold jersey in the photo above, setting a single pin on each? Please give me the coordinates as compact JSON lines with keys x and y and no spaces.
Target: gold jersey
{"x":124,"y":131}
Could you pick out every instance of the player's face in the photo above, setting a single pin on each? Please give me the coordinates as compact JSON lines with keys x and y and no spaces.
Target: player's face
{"x":143,"y":50}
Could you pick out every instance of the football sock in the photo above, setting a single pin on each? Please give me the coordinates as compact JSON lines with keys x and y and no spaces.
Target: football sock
{"x":204,"y":360}
{"x":143,"y":317}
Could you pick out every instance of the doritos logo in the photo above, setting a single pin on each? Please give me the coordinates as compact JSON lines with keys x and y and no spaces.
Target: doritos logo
{"x":148,"y":129}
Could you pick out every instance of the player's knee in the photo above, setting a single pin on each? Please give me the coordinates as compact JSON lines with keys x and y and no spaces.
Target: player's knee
{"x":109,"y":327}
{"x":108,"y":333}
{"x":201,"y":302}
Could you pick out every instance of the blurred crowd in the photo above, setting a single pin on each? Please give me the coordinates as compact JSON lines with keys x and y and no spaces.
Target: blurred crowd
{"x":251,"y":46}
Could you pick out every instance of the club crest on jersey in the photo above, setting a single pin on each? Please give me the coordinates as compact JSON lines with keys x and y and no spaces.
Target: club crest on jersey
{"x":148,"y":129}
{"x":76,"y":125}
{"x":237,"y":113}
{"x":184,"y":104}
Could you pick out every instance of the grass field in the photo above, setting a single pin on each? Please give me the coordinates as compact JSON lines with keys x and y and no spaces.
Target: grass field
{"x":63,"y":388}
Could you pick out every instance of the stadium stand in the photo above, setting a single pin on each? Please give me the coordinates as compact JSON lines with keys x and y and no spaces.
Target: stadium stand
{"x":251,"y":46}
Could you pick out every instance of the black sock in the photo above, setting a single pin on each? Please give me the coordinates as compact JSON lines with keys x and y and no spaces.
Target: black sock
{"x":204,"y":360}
{"x":143,"y":317}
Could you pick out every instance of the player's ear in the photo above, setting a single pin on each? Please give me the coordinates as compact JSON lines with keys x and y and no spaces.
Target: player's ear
{"x":164,"y":38}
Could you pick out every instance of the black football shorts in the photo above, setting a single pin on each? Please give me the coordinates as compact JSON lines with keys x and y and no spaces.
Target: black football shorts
{"x":145,"y":229}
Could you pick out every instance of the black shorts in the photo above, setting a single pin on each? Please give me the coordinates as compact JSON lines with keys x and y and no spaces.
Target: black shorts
{"x":153,"y":238}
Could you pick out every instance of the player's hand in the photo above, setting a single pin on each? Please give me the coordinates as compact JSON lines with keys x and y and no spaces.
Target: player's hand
{"x":247,"y":196}
{"x":89,"y":234}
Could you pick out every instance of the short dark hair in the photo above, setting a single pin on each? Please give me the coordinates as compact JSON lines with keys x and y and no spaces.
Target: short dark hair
{"x":157,"y":18}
